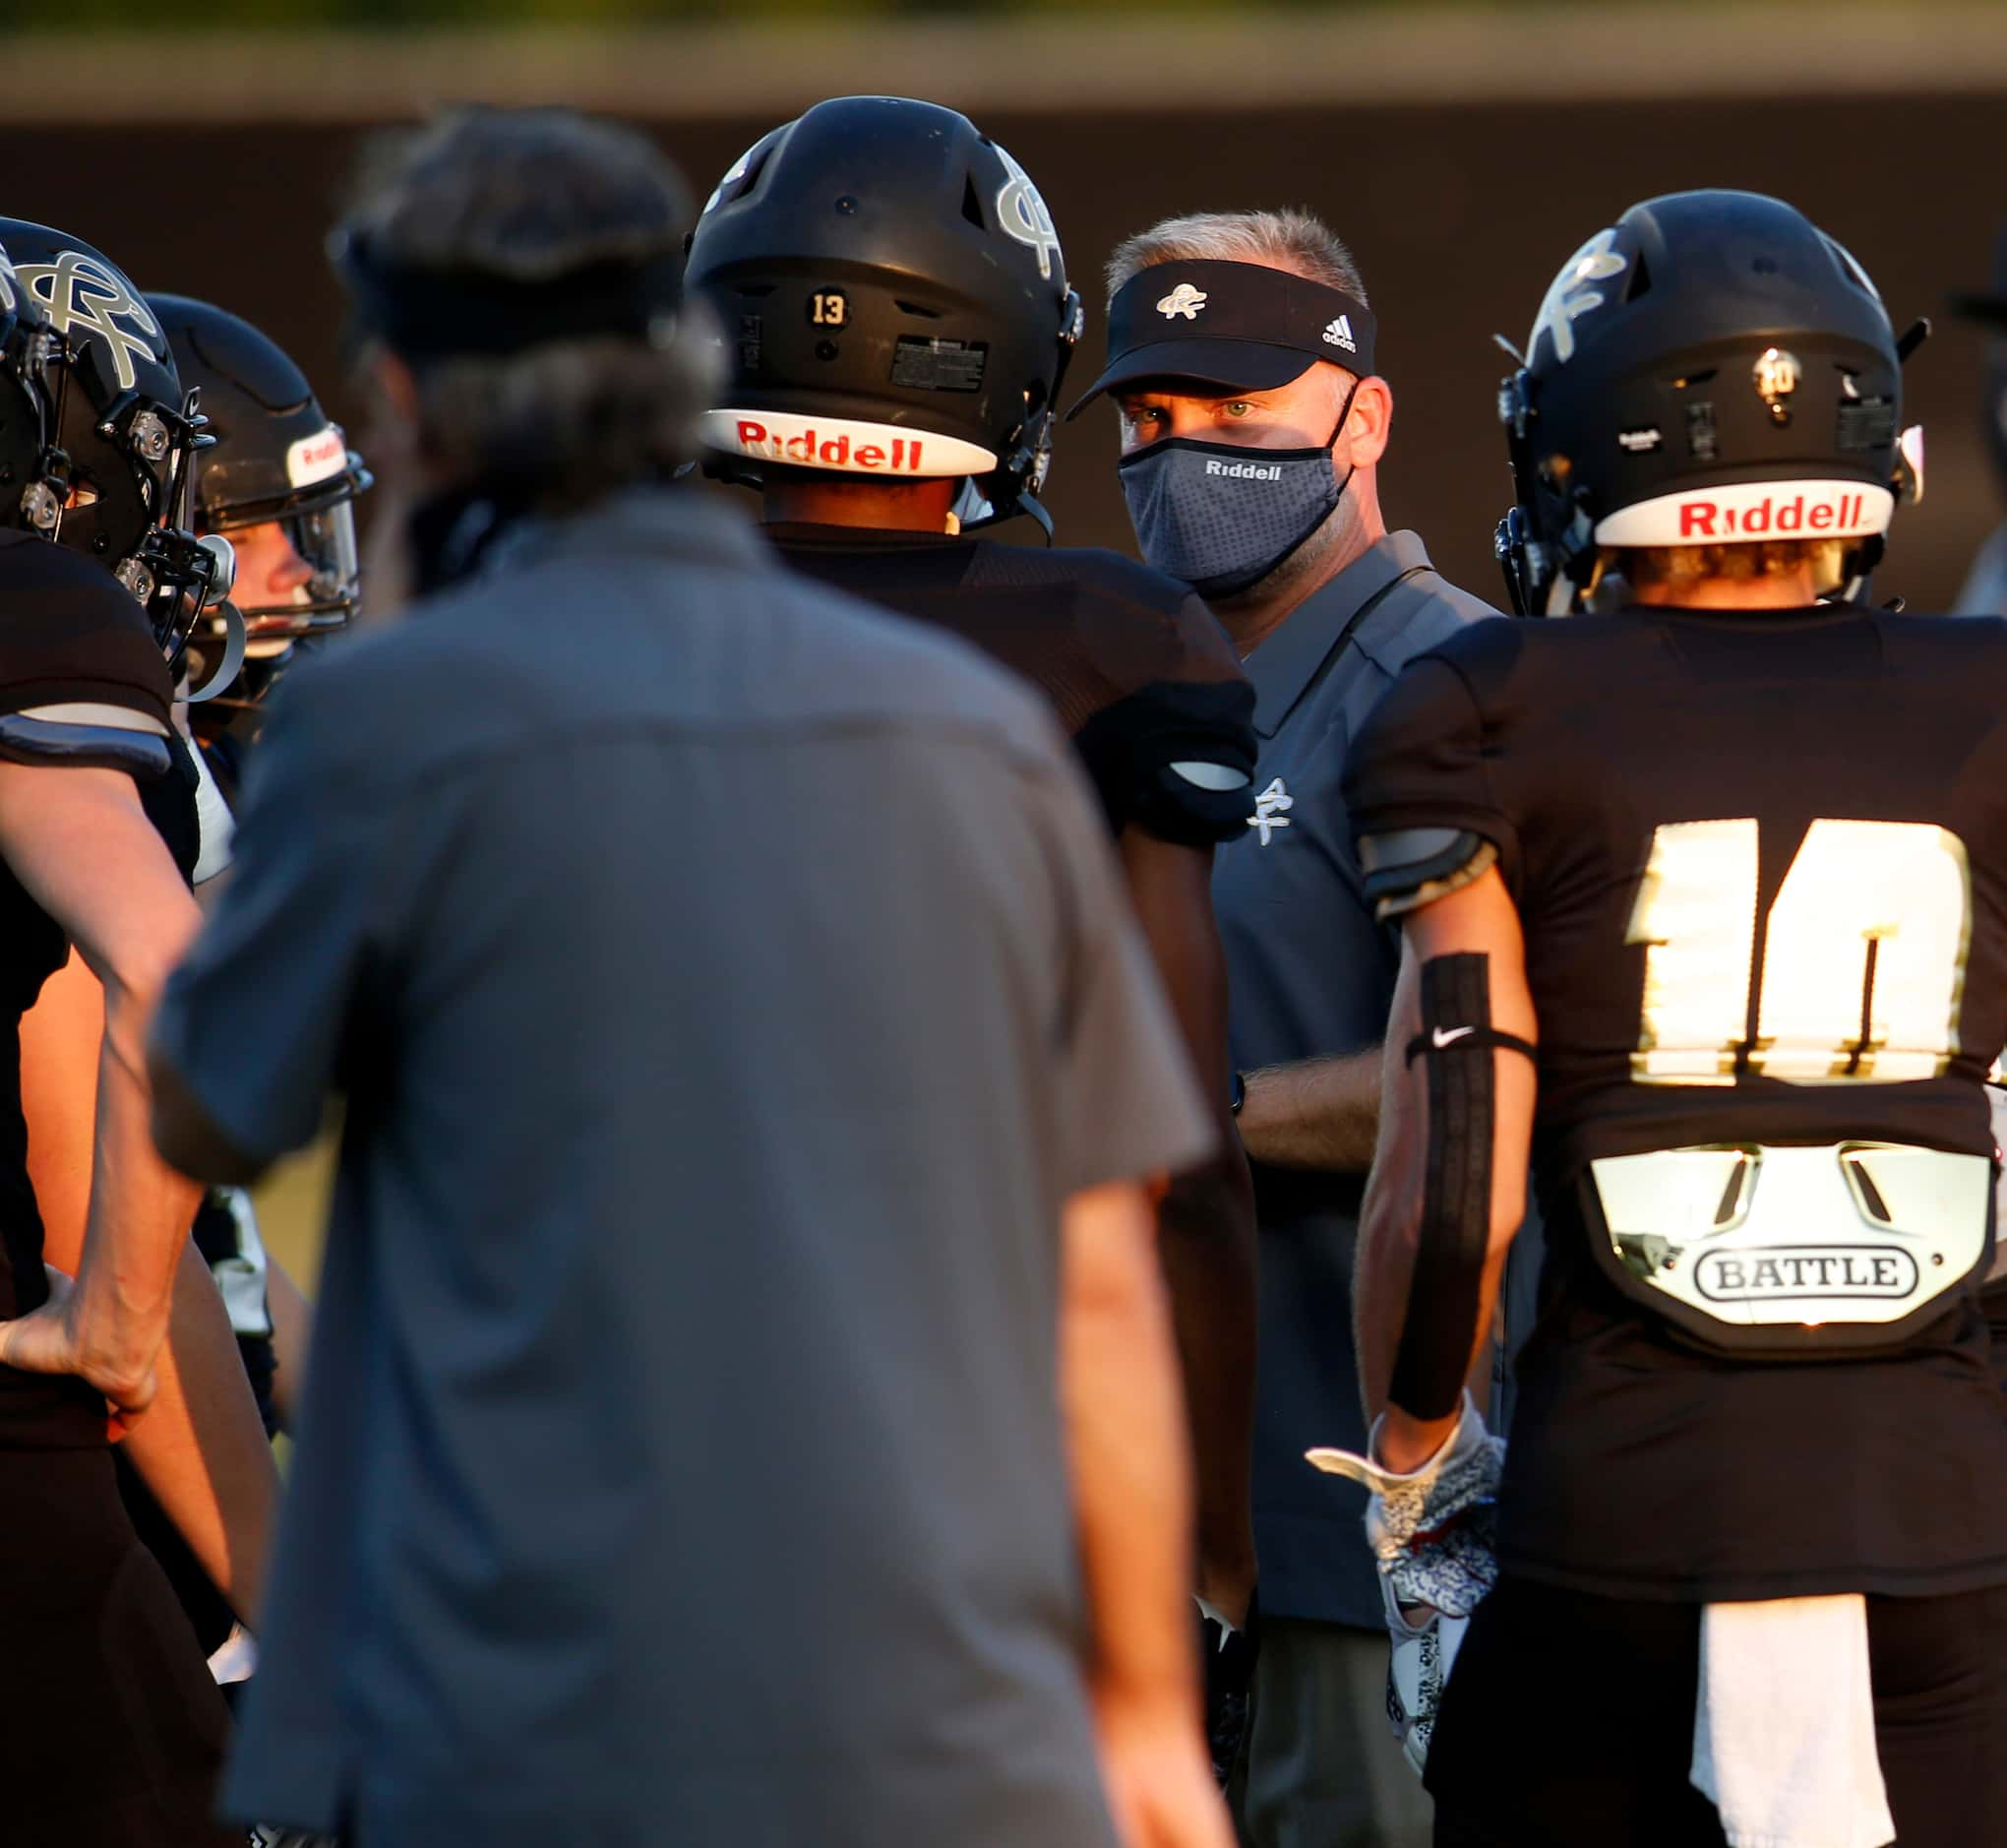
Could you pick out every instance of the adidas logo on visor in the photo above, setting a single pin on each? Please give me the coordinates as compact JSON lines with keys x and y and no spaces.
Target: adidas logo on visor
{"x":1339,"y":333}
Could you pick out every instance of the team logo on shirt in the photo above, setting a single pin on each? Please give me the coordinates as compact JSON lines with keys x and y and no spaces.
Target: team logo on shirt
{"x":1270,"y":810}
{"x":87,"y":295}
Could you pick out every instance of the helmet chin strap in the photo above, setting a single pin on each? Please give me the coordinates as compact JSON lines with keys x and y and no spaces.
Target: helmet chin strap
{"x":226,"y":669}
{"x":1023,"y":501}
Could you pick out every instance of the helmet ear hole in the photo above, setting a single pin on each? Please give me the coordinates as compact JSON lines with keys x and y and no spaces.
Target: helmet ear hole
{"x":972,"y":205}
{"x":1640,"y":279}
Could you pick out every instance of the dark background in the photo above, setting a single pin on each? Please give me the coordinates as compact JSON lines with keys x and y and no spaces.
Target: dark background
{"x":1459,"y":217}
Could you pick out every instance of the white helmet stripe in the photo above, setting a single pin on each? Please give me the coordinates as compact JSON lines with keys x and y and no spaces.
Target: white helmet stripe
{"x":843,"y":443}
{"x":1748,"y":511}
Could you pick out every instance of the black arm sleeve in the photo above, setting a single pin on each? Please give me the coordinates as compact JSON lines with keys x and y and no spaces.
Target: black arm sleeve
{"x":1441,"y":1322}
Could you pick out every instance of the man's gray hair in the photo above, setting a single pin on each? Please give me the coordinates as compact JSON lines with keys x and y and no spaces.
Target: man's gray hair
{"x":1289,"y":239}
{"x":535,"y":195}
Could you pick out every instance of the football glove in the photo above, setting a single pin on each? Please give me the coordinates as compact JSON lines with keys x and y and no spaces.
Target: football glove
{"x":1433,"y":1532}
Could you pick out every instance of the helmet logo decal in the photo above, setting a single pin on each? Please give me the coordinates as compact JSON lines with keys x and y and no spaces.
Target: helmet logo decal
{"x":844,"y":444}
{"x":1023,"y":215}
{"x":1776,"y":376}
{"x":317,"y":458}
{"x":732,"y":175}
{"x":1183,"y":300}
{"x":83,"y":293}
{"x":1742,"y":511}
{"x":1570,"y":295}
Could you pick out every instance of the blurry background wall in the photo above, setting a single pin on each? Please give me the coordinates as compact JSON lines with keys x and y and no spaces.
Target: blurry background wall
{"x":1463,"y":152}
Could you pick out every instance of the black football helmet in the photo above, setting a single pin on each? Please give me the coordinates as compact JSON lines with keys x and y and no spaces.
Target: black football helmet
{"x":892,"y":300}
{"x":277,"y":460}
{"x":1711,"y":368}
{"x":100,"y":452}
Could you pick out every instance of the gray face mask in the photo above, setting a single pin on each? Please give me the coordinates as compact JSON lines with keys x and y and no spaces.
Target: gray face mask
{"x":1223,"y":515}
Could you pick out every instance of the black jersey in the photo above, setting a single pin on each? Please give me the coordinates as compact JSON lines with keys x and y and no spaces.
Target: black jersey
{"x":1761,"y":861}
{"x":73,"y":644}
{"x":1139,"y":671}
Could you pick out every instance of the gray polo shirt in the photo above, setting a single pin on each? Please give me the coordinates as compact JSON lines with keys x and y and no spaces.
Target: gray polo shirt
{"x":1312,"y":973}
{"x":728,"y":984}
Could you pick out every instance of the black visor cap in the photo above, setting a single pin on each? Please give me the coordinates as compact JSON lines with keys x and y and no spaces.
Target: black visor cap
{"x":1232,"y":327}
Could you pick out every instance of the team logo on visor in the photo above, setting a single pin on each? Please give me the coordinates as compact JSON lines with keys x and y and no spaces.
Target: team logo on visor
{"x":82,"y":294}
{"x":1183,"y":300}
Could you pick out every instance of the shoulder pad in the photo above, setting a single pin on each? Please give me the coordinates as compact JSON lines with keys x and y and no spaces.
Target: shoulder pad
{"x":1415,"y":866}
{"x":84,"y":736}
{"x":1196,"y":802}
{"x":1176,"y":759}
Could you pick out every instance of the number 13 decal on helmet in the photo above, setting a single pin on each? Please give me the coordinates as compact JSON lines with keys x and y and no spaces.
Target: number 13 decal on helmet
{"x":1864,"y":958}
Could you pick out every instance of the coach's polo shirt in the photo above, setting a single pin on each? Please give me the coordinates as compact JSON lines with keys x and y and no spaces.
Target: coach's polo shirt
{"x":1312,"y":973}
{"x":728,"y":983}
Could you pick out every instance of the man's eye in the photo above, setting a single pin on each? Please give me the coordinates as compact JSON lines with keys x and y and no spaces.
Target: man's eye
{"x":1237,"y":407}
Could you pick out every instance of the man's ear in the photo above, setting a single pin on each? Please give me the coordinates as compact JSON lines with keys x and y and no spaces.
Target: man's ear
{"x":1369,"y":421}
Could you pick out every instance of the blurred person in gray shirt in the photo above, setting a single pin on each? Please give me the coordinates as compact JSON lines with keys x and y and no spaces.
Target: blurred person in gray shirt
{"x":743,"y":1407}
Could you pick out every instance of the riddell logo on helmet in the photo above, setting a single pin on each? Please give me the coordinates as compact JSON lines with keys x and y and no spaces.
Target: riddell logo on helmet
{"x":316,"y":457}
{"x":1740,"y":512}
{"x":810,"y":449}
{"x":844,"y":444}
{"x":1771,"y":518}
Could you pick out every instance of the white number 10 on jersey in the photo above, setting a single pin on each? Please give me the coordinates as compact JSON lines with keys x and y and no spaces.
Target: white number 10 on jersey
{"x":1864,"y":964}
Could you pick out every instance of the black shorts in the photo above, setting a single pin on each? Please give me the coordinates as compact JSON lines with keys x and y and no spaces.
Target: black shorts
{"x":1568,"y":1720}
{"x":111,"y":1731}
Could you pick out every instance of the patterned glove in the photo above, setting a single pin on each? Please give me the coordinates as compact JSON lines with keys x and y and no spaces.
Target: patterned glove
{"x":1432,"y":1535}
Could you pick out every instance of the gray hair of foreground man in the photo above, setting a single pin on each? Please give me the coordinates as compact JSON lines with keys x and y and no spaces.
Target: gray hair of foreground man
{"x":1289,"y":239}
{"x":532,"y":196}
